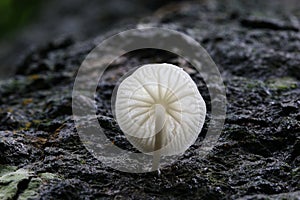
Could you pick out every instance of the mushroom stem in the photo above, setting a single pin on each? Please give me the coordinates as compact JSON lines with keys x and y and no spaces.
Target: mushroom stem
{"x":159,"y":127}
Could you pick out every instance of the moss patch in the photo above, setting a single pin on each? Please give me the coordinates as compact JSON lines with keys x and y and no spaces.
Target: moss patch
{"x":21,"y":184}
{"x":284,"y":83}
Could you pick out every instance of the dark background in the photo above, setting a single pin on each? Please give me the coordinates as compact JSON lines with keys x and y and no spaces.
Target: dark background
{"x":27,"y":24}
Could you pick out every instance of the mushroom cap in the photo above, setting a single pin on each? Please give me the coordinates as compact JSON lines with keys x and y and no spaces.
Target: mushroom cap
{"x":170,"y":87}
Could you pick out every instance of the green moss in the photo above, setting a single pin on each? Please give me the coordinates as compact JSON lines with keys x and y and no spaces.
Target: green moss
{"x":82,"y":162}
{"x":48,"y":176}
{"x":32,"y":189}
{"x":10,"y":181}
{"x":281,"y":84}
{"x":254,"y":84}
{"x":4,"y":169}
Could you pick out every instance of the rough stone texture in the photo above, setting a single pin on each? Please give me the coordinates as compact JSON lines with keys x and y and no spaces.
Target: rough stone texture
{"x":257,"y":157}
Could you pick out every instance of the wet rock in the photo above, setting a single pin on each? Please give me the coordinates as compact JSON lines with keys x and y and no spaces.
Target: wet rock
{"x":68,"y":189}
{"x":288,"y":108}
{"x":290,"y":195}
{"x":15,"y":149}
{"x":37,"y":62}
{"x":257,"y":23}
{"x":257,"y":155}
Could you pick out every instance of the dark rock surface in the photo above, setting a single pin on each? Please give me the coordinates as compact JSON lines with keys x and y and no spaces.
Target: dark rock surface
{"x":258,"y":154}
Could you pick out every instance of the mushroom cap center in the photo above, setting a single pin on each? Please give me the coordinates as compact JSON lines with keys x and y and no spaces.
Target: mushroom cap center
{"x":160,"y":117}
{"x":159,"y":107}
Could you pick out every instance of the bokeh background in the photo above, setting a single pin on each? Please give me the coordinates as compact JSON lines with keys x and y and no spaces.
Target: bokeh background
{"x":27,"y":24}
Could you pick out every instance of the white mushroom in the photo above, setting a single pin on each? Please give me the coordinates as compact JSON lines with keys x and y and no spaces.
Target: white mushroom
{"x":160,"y":110}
